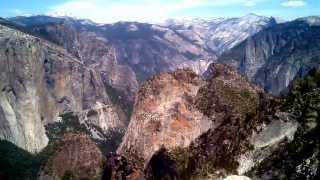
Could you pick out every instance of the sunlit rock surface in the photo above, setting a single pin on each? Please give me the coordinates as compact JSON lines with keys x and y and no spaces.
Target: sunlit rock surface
{"x":164,"y":115}
{"x":39,"y":81}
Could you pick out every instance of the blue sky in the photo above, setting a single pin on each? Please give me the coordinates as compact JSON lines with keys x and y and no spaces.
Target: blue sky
{"x":106,"y":11}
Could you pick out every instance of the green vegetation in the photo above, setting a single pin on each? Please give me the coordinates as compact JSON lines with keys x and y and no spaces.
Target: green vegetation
{"x":134,"y":159}
{"x":16,"y":163}
{"x":303,"y":101}
{"x":70,"y":123}
{"x":114,"y":138}
{"x":182,"y":157}
{"x":68,"y":175}
{"x":243,"y":101}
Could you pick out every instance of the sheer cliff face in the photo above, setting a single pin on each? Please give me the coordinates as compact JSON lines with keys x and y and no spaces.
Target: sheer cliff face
{"x":21,"y":121}
{"x":275,"y":56}
{"x":88,"y":44}
{"x":39,"y":81}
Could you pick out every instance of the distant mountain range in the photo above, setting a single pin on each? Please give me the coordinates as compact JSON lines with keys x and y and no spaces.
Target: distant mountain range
{"x":142,"y":50}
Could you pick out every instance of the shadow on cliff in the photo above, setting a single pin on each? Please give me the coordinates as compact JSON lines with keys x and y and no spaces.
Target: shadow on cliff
{"x":16,"y":163}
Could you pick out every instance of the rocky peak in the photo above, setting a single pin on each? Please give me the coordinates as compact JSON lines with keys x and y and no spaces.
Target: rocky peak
{"x":216,"y":70}
{"x":253,"y":136}
{"x":164,"y":115}
{"x":176,"y":110}
{"x":228,"y":73}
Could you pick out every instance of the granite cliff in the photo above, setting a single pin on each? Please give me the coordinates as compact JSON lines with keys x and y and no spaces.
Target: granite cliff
{"x":275,"y":56}
{"x":40,"y":81}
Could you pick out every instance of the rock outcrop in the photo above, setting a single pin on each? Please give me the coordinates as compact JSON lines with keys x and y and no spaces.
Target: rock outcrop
{"x":234,"y":107}
{"x":39,"y":81}
{"x":275,"y":56}
{"x":76,"y":158}
{"x":164,"y":115}
{"x":249,"y":133}
{"x":177,"y":111}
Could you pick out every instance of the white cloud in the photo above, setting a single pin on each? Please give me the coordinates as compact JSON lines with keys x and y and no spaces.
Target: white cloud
{"x":294,"y":3}
{"x":105,"y":11}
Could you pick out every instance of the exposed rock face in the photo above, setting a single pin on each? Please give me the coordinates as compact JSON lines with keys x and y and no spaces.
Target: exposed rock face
{"x":38,"y":82}
{"x":233,"y":105}
{"x":20,"y":118}
{"x":164,"y":115}
{"x":265,"y":140}
{"x":106,"y":117}
{"x":124,"y":52}
{"x":249,"y":133}
{"x":150,"y":49}
{"x":275,"y":56}
{"x":199,"y":67}
{"x":88,"y":43}
{"x":177,"y":111}
{"x":277,"y":140}
{"x":141,"y":50}
{"x":296,"y":157}
{"x":77,"y":158}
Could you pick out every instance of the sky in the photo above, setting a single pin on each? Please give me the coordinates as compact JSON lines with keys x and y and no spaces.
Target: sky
{"x":108,"y":11}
